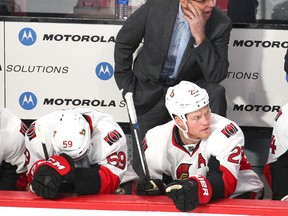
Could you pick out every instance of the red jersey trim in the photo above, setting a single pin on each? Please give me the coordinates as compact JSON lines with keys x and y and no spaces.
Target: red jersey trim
{"x":109,"y":181}
{"x":230,"y":182}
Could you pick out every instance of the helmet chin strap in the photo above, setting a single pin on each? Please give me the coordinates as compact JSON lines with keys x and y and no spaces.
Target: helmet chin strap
{"x":185,"y":132}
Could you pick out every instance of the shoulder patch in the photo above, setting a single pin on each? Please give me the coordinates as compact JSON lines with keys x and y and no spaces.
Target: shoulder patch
{"x":229,"y":130}
{"x":31,"y":132}
{"x":23,"y":128}
{"x":112,"y":137}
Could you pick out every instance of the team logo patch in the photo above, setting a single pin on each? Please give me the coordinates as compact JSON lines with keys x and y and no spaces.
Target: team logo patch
{"x":229,"y":130}
{"x":112,"y":137}
{"x":182,"y":171}
{"x":23,"y":128}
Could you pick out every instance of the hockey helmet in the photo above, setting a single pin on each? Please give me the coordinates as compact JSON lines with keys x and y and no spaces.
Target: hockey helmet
{"x":184,"y":98}
{"x":71,"y":135}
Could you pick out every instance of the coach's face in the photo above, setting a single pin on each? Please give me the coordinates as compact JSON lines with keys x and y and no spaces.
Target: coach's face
{"x":203,"y":7}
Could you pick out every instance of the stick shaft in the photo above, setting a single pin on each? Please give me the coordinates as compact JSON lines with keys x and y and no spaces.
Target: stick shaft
{"x":135,"y":127}
{"x":43,"y":141}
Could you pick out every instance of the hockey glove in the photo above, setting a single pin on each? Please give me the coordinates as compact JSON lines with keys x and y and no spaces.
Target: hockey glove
{"x":49,"y":175}
{"x":150,"y":187}
{"x":187,"y":194}
{"x":184,"y":194}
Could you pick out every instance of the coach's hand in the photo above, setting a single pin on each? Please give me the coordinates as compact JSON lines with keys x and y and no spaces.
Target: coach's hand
{"x":50,"y":174}
{"x":150,"y":187}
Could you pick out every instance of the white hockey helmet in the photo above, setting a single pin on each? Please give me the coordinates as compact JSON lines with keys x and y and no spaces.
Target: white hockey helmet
{"x":71,"y":135}
{"x":184,"y":98}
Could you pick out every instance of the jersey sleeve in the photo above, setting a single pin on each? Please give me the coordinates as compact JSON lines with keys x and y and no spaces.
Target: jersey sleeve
{"x":109,"y":151}
{"x":226,"y":144}
{"x":276,"y":168}
{"x":13,"y":160}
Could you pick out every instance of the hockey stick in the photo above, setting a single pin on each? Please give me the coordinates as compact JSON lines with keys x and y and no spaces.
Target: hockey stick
{"x":135,"y":127}
{"x":43,"y":141}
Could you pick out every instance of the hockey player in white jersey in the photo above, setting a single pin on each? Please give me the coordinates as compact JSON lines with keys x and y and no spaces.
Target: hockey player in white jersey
{"x":276,"y":168}
{"x":12,"y":152}
{"x":79,"y":151}
{"x":200,"y":152}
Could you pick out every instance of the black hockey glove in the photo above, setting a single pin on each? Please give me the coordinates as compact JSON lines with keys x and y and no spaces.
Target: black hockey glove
{"x":50,"y":174}
{"x":184,"y":194}
{"x":150,"y":187}
{"x":189,"y":193}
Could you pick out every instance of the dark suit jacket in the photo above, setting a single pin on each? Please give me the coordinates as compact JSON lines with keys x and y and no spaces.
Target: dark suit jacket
{"x":153,"y":23}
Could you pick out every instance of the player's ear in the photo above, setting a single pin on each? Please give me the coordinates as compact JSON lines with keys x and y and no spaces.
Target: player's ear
{"x":179,"y":121}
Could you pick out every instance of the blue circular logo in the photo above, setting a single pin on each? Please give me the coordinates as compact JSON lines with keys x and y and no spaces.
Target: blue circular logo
{"x":104,"y":71}
{"x":28,"y":100}
{"x":27,"y":36}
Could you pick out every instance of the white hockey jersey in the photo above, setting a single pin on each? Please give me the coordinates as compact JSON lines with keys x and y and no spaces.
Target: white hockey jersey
{"x":226,"y":142}
{"x":12,"y":150}
{"x":276,"y":168}
{"x":279,"y":140}
{"x":108,"y":147}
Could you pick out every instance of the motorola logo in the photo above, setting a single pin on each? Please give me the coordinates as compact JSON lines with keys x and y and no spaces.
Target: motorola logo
{"x":28,"y":100}
{"x":258,"y":108}
{"x":27,"y":36}
{"x":104,"y":71}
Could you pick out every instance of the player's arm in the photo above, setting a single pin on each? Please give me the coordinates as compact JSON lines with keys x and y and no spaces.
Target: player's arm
{"x":13,"y":167}
{"x":225,"y":166}
{"x":10,"y":179}
{"x":187,"y":194}
{"x":276,"y":168}
{"x":220,"y":181}
{"x":215,"y":178}
{"x":154,"y":183}
{"x":109,"y":152}
{"x":278,"y":174}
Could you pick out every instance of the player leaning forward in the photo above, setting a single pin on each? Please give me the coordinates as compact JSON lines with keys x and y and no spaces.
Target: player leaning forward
{"x":202,"y":152}
{"x":86,"y":154}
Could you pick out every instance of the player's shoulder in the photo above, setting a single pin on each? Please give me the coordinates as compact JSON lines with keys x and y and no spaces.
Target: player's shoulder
{"x":161,"y":129}
{"x":284,"y":109}
{"x":8,"y":116}
{"x":93,"y":113}
{"x":223,"y":127}
{"x":281,"y":117}
{"x":160,"y":133}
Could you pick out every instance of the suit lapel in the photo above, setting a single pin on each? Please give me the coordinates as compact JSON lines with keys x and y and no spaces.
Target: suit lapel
{"x":187,"y":52}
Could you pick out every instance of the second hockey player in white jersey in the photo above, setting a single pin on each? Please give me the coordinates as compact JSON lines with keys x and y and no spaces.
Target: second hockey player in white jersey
{"x":276,"y":168}
{"x":200,"y":152}
{"x":78,"y":151}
